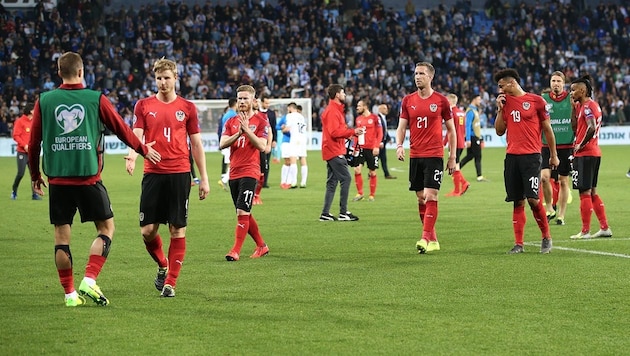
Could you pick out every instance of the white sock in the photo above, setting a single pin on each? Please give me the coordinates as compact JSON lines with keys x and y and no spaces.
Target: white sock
{"x":90,"y":282}
{"x":284,"y":174}
{"x":72,"y":295}
{"x":225,"y":177}
{"x":304,"y":174}
{"x":293,"y":172}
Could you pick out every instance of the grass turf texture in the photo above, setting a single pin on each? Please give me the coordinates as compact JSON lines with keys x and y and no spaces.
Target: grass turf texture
{"x":326,"y":287}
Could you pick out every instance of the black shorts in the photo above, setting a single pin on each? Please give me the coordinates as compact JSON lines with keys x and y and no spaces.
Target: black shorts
{"x":242,"y":190}
{"x":564,"y":156}
{"x":164,"y":199}
{"x":92,"y":201}
{"x":264,"y":162}
{"x":521,"y":175}
{"x":367,"y":158}
{"x":425,"y":173}
{"x":585,"y":172}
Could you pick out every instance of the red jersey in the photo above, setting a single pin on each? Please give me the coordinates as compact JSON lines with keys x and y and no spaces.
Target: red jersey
{"x":425,"y":118}
{"x":459,"y":118}
{"x":373,"y":130}
{"x":244,"y":156}
{"x":523,"y":116}
{"x":110,"y":118}
{"x":588,"y":110}
{"x":334,"y":131}
{"x":22,"y":132}
{"x":169,"y":125}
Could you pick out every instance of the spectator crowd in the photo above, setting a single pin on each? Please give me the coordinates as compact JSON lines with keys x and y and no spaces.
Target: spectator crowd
{"x":288,"y":49}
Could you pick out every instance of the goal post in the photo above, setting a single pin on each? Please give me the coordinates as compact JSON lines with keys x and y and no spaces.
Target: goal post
{"x":211,"y":111}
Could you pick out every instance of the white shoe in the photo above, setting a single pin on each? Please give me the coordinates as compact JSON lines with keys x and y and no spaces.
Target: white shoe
{"x":581,"y":236}
{"x":603,"y":233}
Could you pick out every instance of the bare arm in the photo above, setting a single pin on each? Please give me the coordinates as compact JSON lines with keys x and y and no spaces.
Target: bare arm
{"x":551,"y":142}
{"x":452,"y":145}
{"x":400,"y":138}
{"x":196,"y":147}
{"x":590,"y":132}
{"x":499,"y":123}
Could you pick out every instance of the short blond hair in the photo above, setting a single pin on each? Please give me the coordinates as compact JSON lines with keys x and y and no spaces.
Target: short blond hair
{"x":452,"y":98}
{"x":248,"y":88}
{"x":164,"y":64}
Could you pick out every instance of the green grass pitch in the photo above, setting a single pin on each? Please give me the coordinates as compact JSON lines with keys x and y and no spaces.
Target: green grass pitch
{"x":327,"y":287}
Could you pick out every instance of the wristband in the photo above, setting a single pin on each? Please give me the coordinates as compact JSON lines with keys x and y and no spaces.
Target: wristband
{"x":399,"y":146}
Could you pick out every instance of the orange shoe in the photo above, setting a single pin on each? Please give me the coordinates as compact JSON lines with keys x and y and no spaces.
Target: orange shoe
{"x":285,"y":186}
{"x":232,"y":256}
{"x":260,"y":252}
{"x":453,"y":194}
{"x":465,"y":187}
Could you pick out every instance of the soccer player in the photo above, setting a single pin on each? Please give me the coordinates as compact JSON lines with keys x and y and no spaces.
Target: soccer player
{"x":265,"y":104}
{"x":295,"y":127}
{"x":334,"y":135}
{"x":225,"y":173}
{"x":246,"y":135}
{"x":22,"y":135}
{"x":424,"y":112}
{"x":68,"y":124}
{"x":459,"y":118}
{"x":264,"y":156}
{"x":372,"y":139}
{"x":383,"y":110}
{"x":170,"y":121}
{"x":586,"y":119}
{"x":523,"y":116}
{"x":559,"y":107}
{"x":474,"y":141}
{"x":285,"y":151}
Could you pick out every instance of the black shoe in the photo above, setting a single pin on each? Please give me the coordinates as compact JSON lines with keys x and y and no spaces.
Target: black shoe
{"x":516,"y":249}
{"x":348,"y":216}
{"x":327,"y":217}
{"x":160,"y":278}
{"x":390,"y":177}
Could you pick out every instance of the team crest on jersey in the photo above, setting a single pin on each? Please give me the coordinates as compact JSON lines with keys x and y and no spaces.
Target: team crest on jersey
{"x":526,"y":105}
{"x":370,"y":121}
{"x":180,"y":115}
{"x":433,"y":107}
{"x":69,"y":118}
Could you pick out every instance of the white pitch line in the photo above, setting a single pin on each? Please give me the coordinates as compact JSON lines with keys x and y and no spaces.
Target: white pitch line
{"x":592,"y":252}
{"x":593,"y":239}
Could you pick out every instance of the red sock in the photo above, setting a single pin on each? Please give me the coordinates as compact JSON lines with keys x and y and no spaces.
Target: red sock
{"x":430,"y":216}
{"x":463,"y":180}
{"x":154,"y":248}
{"x":94,"y":266}
{"x":259,"y":185}
{"x":66,"y":279}
{"x":422,"y":208}
{"x":254,"y":232}
{"x":358,"y":179}
{"x":372,"y":184}
{"x":176,"y":253}
{"x":541,"y":193}
{"x":242,"y":227}
{"x":600,"y":211}
{"x":555,"y":186}
{"x":518,"y":221}
{"x":586,"y":206}
{"x":457,"y":181}
{"x":540,"y":215}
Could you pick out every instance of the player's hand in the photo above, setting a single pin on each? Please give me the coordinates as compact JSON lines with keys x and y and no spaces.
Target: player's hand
{"x":37,"y":186}
{"x":375,"y":151}
{"x":153,"y":156}
{"x":243,"y":120}
{"x":554,"y":162}
{"x":450,"y":165}
{"x":500,"y":101}
{"x":467,"y":144}
{"x":400,"y":153}
{"x":204,"y":189}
